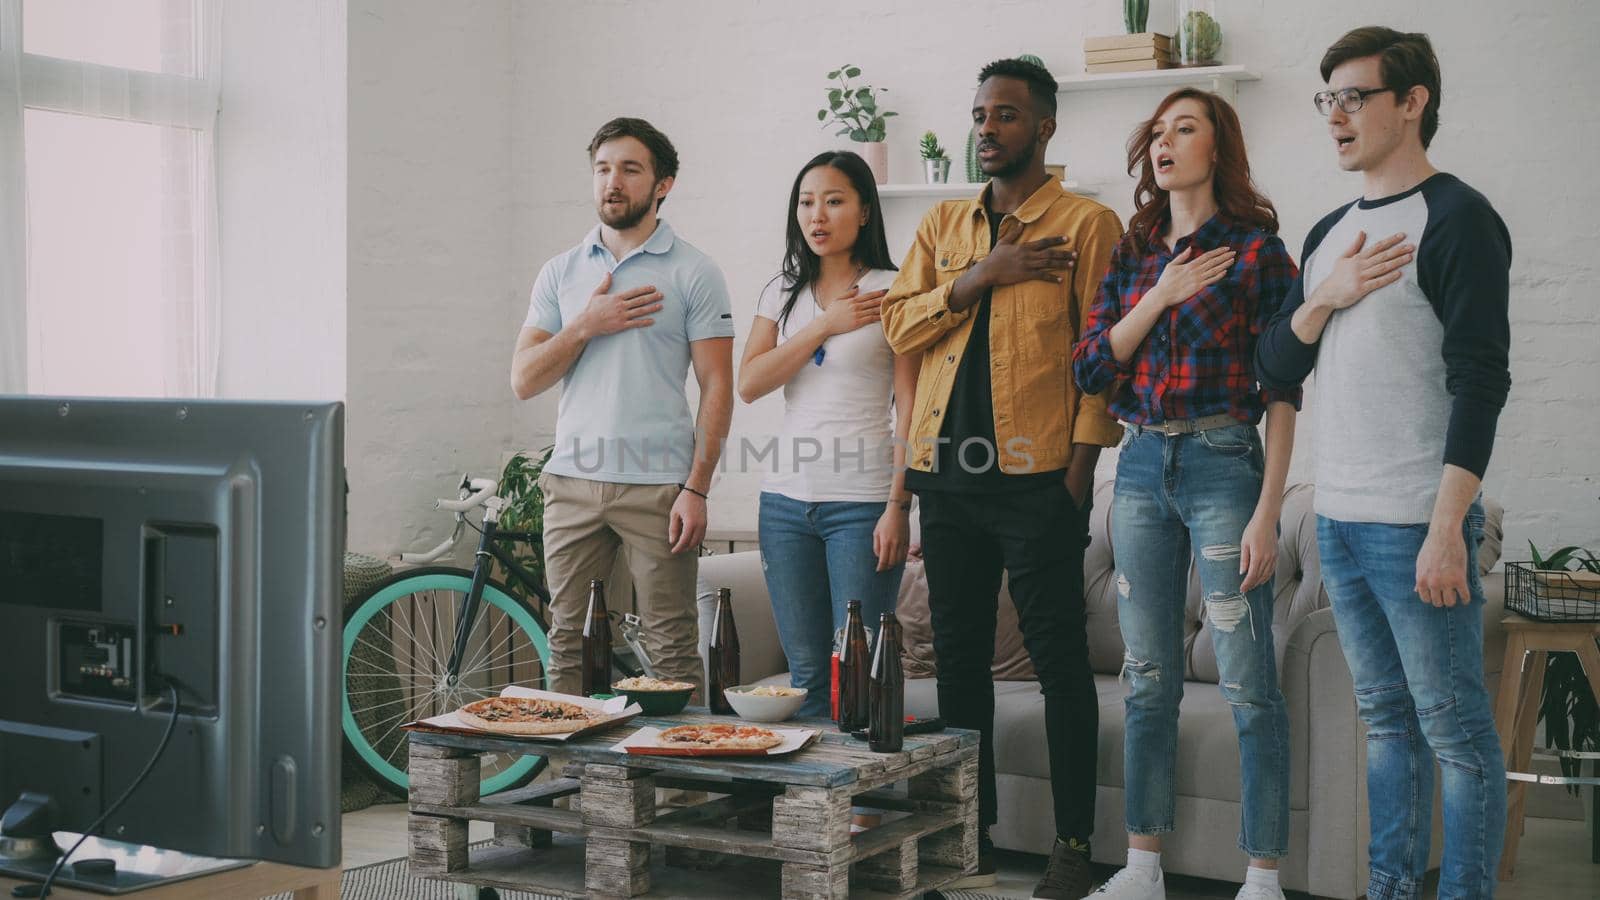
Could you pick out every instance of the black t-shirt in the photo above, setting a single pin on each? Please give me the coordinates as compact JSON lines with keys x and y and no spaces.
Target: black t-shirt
{"x":969,"y":420}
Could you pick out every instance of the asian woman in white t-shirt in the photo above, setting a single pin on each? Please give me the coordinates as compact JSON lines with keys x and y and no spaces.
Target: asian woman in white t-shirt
{"x":834,"y":523}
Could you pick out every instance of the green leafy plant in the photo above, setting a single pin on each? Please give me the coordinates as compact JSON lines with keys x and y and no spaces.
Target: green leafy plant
{"x":524,"y":511}
{"x":930,"y":148}
{"x":1562,"y":560}
{"x":1568,"y":710}
{"x":1135,"y":15}
{"x":1201,"y":37}
{"x":855,"y":107}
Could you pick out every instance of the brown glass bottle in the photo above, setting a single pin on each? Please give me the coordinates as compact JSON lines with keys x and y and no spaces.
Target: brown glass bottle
{"x":854,"y":660}
{"x":596,"y":643}
{"x":724,"y":653}
{"x":886,"y":720}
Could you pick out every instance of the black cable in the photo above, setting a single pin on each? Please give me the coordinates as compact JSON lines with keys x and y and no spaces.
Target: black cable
{"x":28,"y":890}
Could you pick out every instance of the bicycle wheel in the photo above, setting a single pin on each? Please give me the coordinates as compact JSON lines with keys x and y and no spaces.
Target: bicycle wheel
{"x":396,"y":647}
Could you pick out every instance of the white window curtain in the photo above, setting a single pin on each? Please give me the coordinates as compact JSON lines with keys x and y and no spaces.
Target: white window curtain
{"x":91,"y":303}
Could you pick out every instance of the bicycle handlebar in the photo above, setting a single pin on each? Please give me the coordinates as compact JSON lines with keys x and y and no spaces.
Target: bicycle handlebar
{"x":479,"y":492}
{"x":482,"y":489}
{"x":422,"y":559}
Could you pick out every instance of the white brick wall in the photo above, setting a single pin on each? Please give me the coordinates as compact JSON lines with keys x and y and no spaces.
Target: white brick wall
{"x":432,"y":297}
{"x":280,"y":192}
{"x":467,"y":167}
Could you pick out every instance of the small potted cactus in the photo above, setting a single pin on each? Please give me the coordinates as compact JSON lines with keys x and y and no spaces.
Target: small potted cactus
{"x":935,"y":162}
{"x":1199,"y":35}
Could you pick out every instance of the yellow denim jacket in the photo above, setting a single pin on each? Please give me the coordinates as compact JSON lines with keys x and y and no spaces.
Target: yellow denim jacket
{"x":1038,"y":411}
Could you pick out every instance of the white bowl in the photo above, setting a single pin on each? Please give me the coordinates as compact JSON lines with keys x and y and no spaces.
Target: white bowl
{"x":763,"y":709}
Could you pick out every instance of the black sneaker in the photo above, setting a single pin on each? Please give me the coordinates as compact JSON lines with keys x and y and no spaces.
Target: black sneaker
{"x":1067,"y":875}
{"x":984,"y":876}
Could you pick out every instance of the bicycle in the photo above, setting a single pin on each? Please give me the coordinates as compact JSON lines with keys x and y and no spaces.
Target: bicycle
{"x":430,"y":640}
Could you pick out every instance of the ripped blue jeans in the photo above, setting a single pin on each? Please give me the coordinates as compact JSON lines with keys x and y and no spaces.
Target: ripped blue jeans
{"x":1183,"y":497}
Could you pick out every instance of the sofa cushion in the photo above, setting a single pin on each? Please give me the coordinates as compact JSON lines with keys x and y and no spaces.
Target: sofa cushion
{"x":1494,"y":516}
{"x":1100,"y":586}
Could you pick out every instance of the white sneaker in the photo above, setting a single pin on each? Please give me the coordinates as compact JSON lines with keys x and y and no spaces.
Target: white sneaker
{"x":1132,"y":884}
{"x":1257,"y":892}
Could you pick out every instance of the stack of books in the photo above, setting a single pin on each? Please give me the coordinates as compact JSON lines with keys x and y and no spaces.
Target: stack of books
{"x":1127,"y":53}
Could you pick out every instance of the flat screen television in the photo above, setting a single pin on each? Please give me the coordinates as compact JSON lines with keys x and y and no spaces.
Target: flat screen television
{"x":193,"y":543}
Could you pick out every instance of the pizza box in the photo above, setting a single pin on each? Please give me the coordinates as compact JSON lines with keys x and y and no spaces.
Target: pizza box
{"x":617,"y":711}
{"x":647,"y":742}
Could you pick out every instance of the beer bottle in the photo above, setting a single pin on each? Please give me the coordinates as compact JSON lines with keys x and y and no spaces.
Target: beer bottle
{"x":853,"y":671}
{"x":596,"y":643}
{"x":724,"y":650}
{"x":886,"y":726}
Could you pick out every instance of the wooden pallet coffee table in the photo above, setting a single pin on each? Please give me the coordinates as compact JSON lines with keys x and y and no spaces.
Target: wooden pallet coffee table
{"x":768,"y":826}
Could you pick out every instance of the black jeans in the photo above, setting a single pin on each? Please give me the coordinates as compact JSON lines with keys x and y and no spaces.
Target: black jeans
{"x":1039,"y":538}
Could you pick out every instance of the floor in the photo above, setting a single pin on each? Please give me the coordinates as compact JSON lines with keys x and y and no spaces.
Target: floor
{"x":1553,"y":861}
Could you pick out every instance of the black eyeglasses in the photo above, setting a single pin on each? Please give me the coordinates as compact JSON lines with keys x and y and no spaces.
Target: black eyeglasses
{"x":1350,"y":99}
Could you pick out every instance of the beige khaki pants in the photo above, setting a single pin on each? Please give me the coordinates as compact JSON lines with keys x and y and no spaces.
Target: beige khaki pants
{"x":586,"y":523}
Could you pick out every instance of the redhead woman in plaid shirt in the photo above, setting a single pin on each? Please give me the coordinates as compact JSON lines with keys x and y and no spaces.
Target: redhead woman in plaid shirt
{"x":1171,"y":336}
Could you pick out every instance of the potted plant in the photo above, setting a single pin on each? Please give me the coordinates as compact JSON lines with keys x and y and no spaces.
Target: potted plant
{"x":523,"y":511}
{"x":1135,"y":15}
{"x":1199,"y":34}
{"x":1567,"y":707}
{"x":855,"y":107}
{"x":935,"y":162}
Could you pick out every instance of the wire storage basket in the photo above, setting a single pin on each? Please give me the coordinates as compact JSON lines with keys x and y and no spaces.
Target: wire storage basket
{"x":1552,"y":595}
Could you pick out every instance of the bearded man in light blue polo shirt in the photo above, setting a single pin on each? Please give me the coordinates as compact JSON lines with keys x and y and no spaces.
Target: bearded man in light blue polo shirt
{"x":618,"y":320}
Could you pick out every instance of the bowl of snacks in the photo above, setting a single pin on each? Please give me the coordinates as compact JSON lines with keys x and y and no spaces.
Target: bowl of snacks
{"x":654,"y":696}
{"x":765,"y":702}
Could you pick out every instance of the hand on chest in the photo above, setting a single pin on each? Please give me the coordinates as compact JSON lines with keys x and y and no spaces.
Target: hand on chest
{"x":670,"y":319}
{"x":1211,"y":314}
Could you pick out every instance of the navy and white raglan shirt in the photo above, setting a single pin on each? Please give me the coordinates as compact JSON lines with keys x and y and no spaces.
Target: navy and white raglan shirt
{"x":1414,"y":375}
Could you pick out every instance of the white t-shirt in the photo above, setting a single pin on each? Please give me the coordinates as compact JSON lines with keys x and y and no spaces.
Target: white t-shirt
{"x":837,"y":441}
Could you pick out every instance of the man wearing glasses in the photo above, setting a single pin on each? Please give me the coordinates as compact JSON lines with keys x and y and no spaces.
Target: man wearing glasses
{"x":1402,"y":309}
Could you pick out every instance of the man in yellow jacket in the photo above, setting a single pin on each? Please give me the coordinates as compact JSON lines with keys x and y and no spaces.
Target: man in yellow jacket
{"x":1002,"y":447}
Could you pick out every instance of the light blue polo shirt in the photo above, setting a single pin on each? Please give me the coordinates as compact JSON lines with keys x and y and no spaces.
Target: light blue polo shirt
{"x":624,"y":415}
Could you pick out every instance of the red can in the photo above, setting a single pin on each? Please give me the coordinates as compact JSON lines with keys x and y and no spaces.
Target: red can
{"x":833,"y":687}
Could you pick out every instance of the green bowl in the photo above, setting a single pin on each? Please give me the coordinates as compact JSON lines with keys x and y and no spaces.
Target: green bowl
{"x":658,"y":703}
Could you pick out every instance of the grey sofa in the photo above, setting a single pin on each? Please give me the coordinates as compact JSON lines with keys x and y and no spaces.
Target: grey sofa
{"x":1329,"y":833}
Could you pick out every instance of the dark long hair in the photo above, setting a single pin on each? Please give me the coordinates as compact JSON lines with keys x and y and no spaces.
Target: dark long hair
{"x":801,"y":265}
{"x":1237,"y":195}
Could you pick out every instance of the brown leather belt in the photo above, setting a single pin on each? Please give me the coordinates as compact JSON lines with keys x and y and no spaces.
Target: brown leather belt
{"x":1190,"y":426}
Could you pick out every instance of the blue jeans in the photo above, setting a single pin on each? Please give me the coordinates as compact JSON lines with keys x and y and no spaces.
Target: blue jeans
{"x":1174,"y":493}
{"x":1418,"y":674}
{"x":817,"y":556}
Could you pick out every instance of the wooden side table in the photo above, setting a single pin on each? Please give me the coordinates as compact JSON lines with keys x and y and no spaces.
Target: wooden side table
{"x":1516,"y":710}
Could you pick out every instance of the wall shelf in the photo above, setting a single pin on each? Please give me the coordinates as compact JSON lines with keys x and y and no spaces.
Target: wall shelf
{"x":957,"y":190}
{"x":1222,"y":80}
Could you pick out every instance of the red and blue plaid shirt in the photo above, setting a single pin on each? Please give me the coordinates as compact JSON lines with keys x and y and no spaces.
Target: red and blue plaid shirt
{"x":1199,"y":359}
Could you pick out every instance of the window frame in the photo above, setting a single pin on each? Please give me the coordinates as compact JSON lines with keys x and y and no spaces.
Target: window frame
{"x":31,"y":81}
